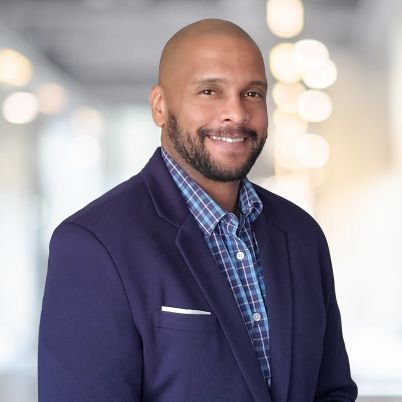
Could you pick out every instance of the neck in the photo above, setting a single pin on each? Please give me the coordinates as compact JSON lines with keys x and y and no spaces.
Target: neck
{"x":224,"y":194}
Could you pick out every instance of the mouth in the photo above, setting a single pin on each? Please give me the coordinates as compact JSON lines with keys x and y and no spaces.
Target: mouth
{"x":231,"y":140}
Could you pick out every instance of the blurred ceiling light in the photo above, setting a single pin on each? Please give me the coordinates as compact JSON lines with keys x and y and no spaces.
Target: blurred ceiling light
{"x":285,"y":95}
{"x":20,"y":107}
{"x":321,"y":77}
{"x":84,"y":151}
{"x":52,"y":98}
{"x":285,"y":18}
{"x":87,"y":121}
{"x":314,"y":106}
{"x":310,"y":53}
{"x":283,"y":64}
{"x":290,"y":123}
{"x":312,"y":151}
{"x":15,"y":69}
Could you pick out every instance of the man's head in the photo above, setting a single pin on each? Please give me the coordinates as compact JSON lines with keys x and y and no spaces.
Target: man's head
{"x":211,"y":100}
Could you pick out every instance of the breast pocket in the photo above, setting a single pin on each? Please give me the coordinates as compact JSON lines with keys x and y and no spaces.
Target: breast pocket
{"x":192,"y":355}
{"x":185,"y":322}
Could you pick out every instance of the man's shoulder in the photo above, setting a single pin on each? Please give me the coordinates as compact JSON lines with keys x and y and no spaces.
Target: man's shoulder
{"x":130,"y":198}
{"x":125,"y":199}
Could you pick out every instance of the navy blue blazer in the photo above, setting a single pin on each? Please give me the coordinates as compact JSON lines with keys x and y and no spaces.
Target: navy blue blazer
{"x":112,"y":265}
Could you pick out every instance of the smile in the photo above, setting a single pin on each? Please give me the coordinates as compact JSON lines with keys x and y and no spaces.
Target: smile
{"x":227,"y":139}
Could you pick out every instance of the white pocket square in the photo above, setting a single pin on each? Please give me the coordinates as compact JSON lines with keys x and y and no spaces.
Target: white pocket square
{"x":184,"y":311}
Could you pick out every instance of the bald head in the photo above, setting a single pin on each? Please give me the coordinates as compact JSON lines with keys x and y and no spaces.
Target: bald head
{"x":177,"y":48}
{"x":211,"y":101}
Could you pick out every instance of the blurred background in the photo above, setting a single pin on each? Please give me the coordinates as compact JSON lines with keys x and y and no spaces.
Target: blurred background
{"x":74,"y":122}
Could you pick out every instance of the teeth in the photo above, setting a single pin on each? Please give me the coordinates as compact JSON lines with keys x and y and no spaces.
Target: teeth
{"x":227,"y":139}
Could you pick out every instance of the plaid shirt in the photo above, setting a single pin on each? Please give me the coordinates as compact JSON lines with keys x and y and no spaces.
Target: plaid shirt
{"x":234,"y":247}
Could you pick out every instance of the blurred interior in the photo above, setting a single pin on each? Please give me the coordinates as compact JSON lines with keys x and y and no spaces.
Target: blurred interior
{"x":74,"y":122}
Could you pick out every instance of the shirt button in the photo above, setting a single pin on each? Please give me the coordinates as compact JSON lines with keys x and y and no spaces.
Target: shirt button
{"x":256,"y":317}
{"x":240,"y":255}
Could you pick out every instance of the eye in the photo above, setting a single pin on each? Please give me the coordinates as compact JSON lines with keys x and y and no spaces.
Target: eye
{"x":252,"y":94}
{"x":207,"y":92}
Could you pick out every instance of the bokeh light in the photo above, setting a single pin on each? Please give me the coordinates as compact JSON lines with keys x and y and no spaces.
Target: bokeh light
{"x":285,"y":18}
{"x":87,"y":121}
{"x":310,"y":53}
{"x":283,"y":146}
{"x":20,"y":107}
{"x":52,"y":98}
{"x":321,"y":77}
{"x":286,"y":95}
{"x":15,"y":69}
{"x":314,"y":106}
{"x":312,"y":151}
{"x":283,"y":65}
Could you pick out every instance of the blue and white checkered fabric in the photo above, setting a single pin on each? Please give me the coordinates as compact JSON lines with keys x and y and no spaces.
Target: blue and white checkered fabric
{"x":234,"y":246}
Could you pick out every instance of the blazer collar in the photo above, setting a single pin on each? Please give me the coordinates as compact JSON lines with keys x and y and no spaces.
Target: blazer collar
{"x":166,"y":197}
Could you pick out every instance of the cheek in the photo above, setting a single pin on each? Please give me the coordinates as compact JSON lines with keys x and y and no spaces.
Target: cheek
{"x":260,"y":119}
{"x":196,"y":116}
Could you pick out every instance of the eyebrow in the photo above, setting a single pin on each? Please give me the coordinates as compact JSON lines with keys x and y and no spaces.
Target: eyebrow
{"x":212,"y":80}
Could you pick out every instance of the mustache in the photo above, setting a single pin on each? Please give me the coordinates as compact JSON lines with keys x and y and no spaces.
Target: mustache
{"x":230,"y":132}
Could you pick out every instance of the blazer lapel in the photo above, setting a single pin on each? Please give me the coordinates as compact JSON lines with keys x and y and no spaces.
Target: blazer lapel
{"x":195,"y":252}
{"x":276,"y":268}
{"x":170,"y":205}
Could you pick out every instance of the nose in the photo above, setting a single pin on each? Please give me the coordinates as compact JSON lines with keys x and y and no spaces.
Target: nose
{"x":234,"y":111}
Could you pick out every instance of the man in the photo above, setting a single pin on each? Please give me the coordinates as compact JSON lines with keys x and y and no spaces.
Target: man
{"x":188,"y":283}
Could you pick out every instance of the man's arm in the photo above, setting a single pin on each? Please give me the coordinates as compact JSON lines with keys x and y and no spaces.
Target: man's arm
{"x":89,"y":347}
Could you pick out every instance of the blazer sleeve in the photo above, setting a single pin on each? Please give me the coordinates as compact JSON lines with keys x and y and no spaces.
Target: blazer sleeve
{"x":89,"y":347}
{"x":335,"y":382}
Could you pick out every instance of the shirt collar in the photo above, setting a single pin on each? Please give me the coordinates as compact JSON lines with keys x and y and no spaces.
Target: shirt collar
{"x":205,"y":210}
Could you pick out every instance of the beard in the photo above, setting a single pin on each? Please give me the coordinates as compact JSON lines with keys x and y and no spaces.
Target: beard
{"x":192,"y":149}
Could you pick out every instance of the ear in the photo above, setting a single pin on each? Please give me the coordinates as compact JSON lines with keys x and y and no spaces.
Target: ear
{"x":158,"y":105}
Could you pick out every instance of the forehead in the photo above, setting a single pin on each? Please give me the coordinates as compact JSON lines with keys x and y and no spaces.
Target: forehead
{"x":226,"y":56}
{"x":222,"y":54}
